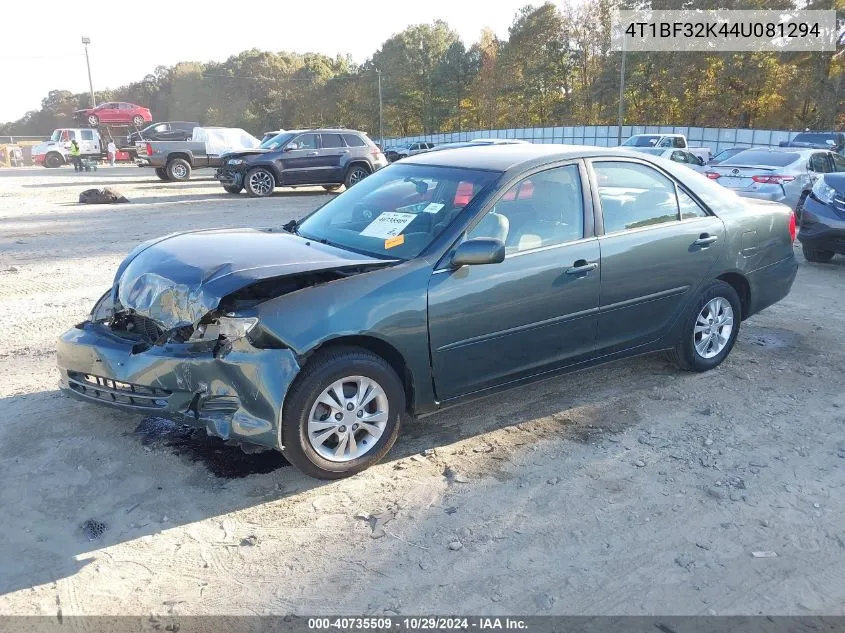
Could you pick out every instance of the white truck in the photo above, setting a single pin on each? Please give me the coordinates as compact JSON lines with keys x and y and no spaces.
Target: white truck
{"x":56,"y":151}
{"x":667,"y":141}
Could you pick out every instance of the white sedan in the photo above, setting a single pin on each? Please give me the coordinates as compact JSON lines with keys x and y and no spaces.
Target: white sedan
{"x":677,"y":155}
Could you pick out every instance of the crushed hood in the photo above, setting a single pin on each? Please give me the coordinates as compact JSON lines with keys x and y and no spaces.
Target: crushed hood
{"x":178,"y":279}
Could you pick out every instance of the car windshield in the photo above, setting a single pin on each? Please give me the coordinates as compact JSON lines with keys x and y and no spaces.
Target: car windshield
{"x":277,"y":141}
{"x":763,"y":158}
{"x":642,"y":140}
{"x":57,"y":134}
{"x":398,"y":211}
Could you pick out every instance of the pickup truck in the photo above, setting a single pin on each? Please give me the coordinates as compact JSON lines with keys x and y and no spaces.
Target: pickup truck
{"x":56,"y":151}
{"x":175,"y":160}
{"x":667,"y":141}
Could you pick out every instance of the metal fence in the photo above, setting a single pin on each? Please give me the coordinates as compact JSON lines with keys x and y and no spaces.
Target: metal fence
{"x":716,"y":139}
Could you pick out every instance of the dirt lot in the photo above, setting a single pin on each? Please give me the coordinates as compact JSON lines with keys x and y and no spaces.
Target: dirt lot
{"x":628,"y":489}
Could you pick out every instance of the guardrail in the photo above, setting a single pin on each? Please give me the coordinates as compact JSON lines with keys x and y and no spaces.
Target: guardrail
{"x":716,"y":139}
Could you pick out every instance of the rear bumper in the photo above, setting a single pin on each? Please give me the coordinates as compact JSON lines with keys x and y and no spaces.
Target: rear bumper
{"x":237,"y":395}
{"x":772,"y":283}
{"x":821,"y":227}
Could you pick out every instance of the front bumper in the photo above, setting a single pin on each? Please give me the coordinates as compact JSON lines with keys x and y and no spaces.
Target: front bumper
{"x":238,"y":394}
{"x":822,"y":227}
{"x":229,"y":177}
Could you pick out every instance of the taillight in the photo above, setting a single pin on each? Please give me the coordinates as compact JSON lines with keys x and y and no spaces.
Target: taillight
{"x":792,"y":227}
{"x":773,"y":180}
{"x":712,"y":175}
{"x":149,"y":150}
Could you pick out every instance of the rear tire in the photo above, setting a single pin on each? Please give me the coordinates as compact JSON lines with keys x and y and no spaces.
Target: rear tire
{"x":691,"y":351}
{"x":232,"y":189}
{"x":355,"y":174}
{"x":138,"y":120}
{"x":304,"y":416}
{"x":817,"y":256}
{"x":178,"y":169}
{"x":259,"y":182}
{"x":161,"y":172}
{"x":93,"y":120}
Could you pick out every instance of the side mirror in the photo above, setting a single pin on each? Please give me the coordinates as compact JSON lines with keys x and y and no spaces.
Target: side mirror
{"x":481,"y":250}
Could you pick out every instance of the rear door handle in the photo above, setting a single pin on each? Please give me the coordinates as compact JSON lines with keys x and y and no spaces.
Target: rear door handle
{"x":705,"y":240}
{"x":581,"y":267}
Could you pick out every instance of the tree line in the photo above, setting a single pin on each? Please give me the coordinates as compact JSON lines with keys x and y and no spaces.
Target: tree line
{"x":555,"y":67}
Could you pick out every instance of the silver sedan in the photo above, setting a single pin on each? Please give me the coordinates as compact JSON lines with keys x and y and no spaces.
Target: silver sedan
{"x":785,"y":176}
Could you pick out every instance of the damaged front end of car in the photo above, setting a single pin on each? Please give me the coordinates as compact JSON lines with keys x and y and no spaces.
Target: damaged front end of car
{"x":156,"y":344}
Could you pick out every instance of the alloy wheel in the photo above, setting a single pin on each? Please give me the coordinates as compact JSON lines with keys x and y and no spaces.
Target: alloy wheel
{"x":713,"y":327}
{"x":179,"y":171}
{"x":357,"y":176}
{"x":348,"y":418}
{"x":260,"y":183}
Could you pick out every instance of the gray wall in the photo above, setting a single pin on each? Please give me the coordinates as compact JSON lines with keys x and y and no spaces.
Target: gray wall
{"x":716,"y":139}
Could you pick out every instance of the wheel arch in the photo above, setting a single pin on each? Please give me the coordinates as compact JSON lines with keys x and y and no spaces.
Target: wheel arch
{"x":379,"y":347}
{"x":183,"y":155}
{"x":743,"y":289}
{"x":359,"y":162}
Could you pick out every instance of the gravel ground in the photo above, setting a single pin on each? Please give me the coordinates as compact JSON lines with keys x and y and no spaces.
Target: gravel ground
{"x":628,"y":489}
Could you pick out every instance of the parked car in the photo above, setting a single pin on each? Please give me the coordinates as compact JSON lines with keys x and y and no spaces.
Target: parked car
{"x":834,"y":141}
{"x":328,"y":157}
{"x":115,"y":112}
{"x":681,"y":156}
{"x":772,"y":174}
{"x":822,"y":223}
{"x":725,"y":154}
{"x":404,"y":295}
{"x":268,"y":136}
{"x":666,"y":141}
{"x":413,"y":149}
{"x":164,"y":131}
{"x":56,"y":151}
{"x":208,"y":147}
{"x":394,"y":153}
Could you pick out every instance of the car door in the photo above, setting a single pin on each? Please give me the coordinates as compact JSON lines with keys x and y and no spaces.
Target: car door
{"x":658,"y":244}
{"x":333,"y":157}
{"x":299,"y":159}
{"x":535,"y":310}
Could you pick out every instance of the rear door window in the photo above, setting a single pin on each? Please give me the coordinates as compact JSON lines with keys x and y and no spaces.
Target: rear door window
{"x":634,"y":196}
{"x":838,"y":163}
{"x":330,"y":141}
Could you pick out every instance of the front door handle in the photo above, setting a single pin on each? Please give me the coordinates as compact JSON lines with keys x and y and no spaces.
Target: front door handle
{"x":705,"y":240}
{"x":312,"y":153}
{"x":581,"y":267}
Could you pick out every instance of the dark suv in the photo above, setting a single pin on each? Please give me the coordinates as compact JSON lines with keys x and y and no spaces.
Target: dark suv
{"x":164,"y":131}
{"x":327,"y":157}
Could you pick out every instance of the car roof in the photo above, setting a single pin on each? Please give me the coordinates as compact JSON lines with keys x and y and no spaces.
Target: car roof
{"x":503,"y":157}
{"x":318,"y":130}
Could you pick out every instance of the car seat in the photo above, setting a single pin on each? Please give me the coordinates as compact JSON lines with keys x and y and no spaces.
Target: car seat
{"x":556,"y":217}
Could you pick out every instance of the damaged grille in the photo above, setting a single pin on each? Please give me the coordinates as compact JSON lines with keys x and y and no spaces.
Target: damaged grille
{"x":109,"y":390}
{"x":135,"y":326}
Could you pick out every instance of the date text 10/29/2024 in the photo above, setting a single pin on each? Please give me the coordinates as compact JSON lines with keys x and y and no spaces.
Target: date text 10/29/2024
{"x":416,"y":624}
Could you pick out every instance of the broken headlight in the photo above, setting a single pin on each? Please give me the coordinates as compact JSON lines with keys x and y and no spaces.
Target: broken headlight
{"x":230,"y":328}
{"x":103,"y":309}
{"x":235,"y":161}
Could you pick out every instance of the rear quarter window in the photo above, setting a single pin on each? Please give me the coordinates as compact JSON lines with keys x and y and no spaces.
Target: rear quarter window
{"x":353,"y":140}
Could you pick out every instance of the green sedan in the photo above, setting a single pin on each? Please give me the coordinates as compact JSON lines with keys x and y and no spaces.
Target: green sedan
{"x":444,"y":277}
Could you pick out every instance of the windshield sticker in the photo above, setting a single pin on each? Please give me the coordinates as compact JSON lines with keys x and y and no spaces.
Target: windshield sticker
{"x":388,"y":224}
{"x":433,"y":207}
{"x":394,"y":241}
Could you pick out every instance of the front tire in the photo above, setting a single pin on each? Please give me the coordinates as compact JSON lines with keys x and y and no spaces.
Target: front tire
{"x":178,"y":169}
{"x":162,"y":173}
{"x":53,"y":160}
{"x":816,"y":255}
{"x":343,"y":413}
{"x":709,"y":329}
{"x":235,"y":189}
{"x":259,"y":182}
{"x":355,"y":174}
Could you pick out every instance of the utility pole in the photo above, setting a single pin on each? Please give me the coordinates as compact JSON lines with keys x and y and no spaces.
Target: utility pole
{"x":621,"y":95}
{"x":86,"y":41}
{"x":380,"y":113}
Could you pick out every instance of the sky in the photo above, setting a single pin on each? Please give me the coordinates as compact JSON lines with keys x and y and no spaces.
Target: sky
{"x":129,"y":39}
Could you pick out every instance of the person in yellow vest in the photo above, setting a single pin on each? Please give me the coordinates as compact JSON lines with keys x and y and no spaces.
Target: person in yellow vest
{"x":75,"y":157}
